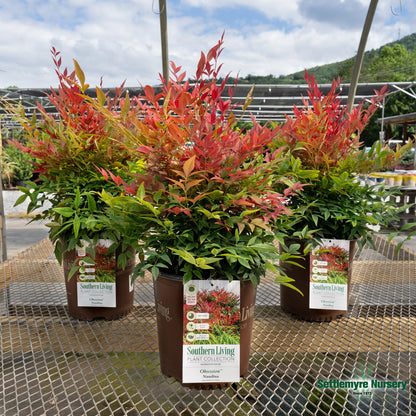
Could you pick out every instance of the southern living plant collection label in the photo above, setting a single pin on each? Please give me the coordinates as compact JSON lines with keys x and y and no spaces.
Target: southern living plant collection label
{"x":328,"y":287}
{"x":96,"y":277}
{"x":211,"y":332}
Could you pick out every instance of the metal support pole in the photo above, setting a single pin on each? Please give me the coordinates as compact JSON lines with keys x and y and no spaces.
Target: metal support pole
{"x":2,"y":219}
{"x":382,"y":134}
{"x":360,"y":54}
{"x":164,"y":38}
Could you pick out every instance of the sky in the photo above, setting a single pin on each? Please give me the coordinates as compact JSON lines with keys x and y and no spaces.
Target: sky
{"x":119,"y":40}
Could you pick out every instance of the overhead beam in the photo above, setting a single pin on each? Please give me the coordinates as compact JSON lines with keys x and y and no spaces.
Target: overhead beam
{"x":360,"y":54}
{"x":164,"y":38}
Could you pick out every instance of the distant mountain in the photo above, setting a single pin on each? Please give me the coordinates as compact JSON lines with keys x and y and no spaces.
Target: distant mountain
{"x":395,"y":61}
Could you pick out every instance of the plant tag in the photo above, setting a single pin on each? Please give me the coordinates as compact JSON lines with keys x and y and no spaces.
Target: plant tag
{"x":131,"y":283}
{"x":328,"y":280}
{"x":96,"y":277}
{"x":211,"y":334}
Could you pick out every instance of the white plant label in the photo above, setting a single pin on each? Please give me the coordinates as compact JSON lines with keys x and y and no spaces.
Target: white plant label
{"x":328,"y":283}
{"x":211,"y":335}
{"x":96,"y":277}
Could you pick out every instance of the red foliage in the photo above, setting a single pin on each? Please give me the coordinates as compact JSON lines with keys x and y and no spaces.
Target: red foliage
{"x":78,"y":133}
{"x":188,"y":137}
{"x":324,"y":132}
{"x":103,"y":260}
{"x":335,"y":256}
{"x":222,"y":306}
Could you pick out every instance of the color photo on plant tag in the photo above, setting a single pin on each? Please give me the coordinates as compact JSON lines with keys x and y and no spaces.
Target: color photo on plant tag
{"x":211,"y":331}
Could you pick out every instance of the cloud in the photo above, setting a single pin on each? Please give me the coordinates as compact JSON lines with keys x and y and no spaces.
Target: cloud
{"x":109,"y":39}
{"x":348,"y":15}
{"x":270,"y":9}
{"x":120,"y":40}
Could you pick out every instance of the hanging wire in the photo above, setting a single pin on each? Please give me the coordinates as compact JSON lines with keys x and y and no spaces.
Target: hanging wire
{"x":400,"y":9}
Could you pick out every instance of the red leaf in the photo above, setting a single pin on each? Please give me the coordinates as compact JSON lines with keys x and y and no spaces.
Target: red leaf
{"x":201,"y":65}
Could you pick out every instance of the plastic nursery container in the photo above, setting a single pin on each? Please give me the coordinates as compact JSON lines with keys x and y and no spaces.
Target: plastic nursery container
{"x":294,"y":303}
{"x":168,"y":290}
{"x":398,"y":180}
{"x":407,"y":181}
{"x":370,"y":180}
{"x":379,"y":177}
{"x":124,"y":291}
{"x":389,"y":178}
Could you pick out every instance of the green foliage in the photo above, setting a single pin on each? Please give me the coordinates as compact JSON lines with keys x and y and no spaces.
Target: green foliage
{"x":17,"y":164}
{"x":205,"y":244}
{"x":204,"y":205}
{"x":340,"y":207}
{"x":394,"y":63}
{"x":67,"y":152}
{"x":73,"y":207}
{"x":322,"y":140}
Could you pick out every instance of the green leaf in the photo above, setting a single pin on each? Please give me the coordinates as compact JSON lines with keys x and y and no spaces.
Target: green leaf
{"x":155,"y":272}
{"x":266,"y":248}
{"x":201,"y":263}
{"x":100,"y":96}
{"x":64,"y":211}
{"x":141,"y":193}
{"x":77,"y":224}
{"x":24,"y":189}
{"x":165,"y":258}
{"x":244,"y":262}
{"x":77,"y":200}
{"x":236,"y":235}
{"x":92,"y":206}
{"x":188,"y":257}
{"x":73,"y":270}
{"x":126,"y":105}
{"x":58,"y":251}
{"x":80,"y":75}
{"x":20,"y":200}
{"x":407,"y":226}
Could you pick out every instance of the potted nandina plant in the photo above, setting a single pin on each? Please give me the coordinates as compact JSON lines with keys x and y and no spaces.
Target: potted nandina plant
{"x":204,"y":211}
{"x":68,"y":147}
{"x":323,"y":144}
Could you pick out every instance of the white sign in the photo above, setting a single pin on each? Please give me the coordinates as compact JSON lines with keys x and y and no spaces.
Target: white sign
{"x":211,"y":314}
{"x":96,"y":276}
{"x":96,"y":294}
{"x":328,"y":286}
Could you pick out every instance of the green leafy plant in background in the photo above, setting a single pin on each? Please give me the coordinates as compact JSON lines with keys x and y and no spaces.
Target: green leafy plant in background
{"x":17,"y":165}
{"x":68,"y":148}
{"x":322,"y":141}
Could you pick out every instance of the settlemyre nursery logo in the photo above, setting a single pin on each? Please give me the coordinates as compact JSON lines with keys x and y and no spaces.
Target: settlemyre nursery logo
{"x":363,"y":385}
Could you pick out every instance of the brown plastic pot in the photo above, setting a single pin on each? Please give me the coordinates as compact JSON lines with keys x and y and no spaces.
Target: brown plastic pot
{"x":124,"y":291}
{"x":168,"y":291}
{"x":297,"y":305}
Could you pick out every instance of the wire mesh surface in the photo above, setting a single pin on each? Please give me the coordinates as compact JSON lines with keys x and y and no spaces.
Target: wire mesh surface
{"x":53,"y":364}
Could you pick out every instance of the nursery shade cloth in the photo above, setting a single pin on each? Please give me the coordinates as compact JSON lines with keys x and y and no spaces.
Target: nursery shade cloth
{"x":270,"y":102}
